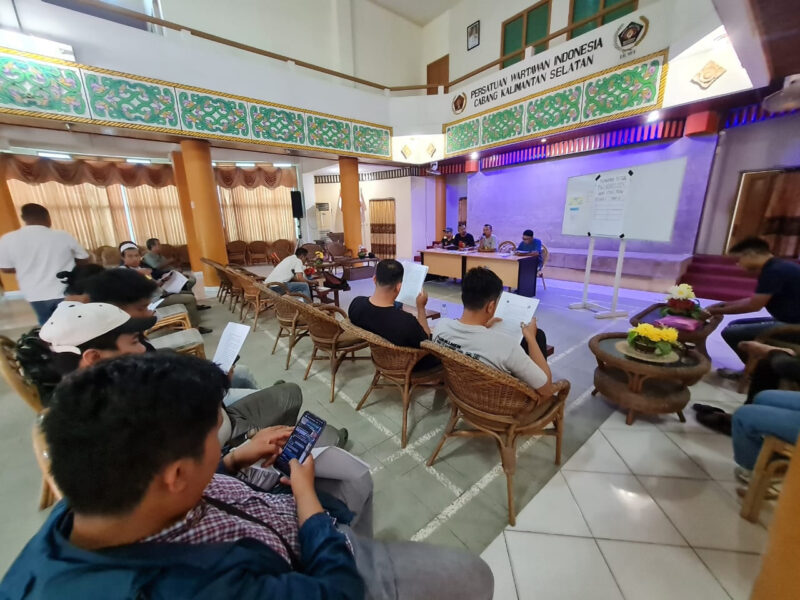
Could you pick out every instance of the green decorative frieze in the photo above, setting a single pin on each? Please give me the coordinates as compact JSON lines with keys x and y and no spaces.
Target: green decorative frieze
{"x":554,"y":110}
{"x":123,"y":100}
{"x":462,"y":136}
{"x":217,"y":115}
{"x":36,"y":86}
{"x":372,"y":140}
{"x":277,"y":124}
{"x":502,"y":125}
{"x":623,"y":90}
{"x":324,"y":132}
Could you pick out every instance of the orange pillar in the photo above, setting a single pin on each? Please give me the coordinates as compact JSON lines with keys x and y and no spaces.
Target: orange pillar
{"x":441,"y":206}
{"x":195,"y":253}
{"x":8,"y":222}
{"x":205,"y":204}
{"x":351,"y":204}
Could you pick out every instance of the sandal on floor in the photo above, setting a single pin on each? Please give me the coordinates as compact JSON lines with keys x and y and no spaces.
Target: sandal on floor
{"x":706,"y":408}
{"x":718,"y":421}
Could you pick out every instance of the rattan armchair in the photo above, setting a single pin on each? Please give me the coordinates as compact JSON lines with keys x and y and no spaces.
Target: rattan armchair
{"x":290,"y":323}
{"x":236,"y":291}
{"x":498,"y":405}
{"x":50,"y":493}
{"x":283,"y":248}
{"x":329,"y":337}
{"x":507,"y":246}
{"x":237,"y":252}
{"x":224,"y":288}
{"x":395,"y":364}
{"x":773,"y":462}
{"x":253,"y":297}
{"x":171,"y":317}
{"x":542,"y":264}
{"x":257,"y":252}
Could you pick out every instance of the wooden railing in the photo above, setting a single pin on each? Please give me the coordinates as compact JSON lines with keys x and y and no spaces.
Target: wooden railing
{"x":144,"y":18}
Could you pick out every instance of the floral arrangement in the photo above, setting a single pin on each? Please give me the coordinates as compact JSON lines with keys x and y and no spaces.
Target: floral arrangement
{"x":318,"y":258}
{"x":650,"y":339}
{"x":310,"y":271}
{"x":682,"y":301}
{"x":362,"y":252}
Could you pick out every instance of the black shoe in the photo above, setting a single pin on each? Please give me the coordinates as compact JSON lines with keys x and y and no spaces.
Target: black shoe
{"x":706,"y":408}
{"x":204,"y":330}
{"x":344,"y":435}
{"x":720,"y":422}
{"x":203,"y":307}
{"x":730,"y":374}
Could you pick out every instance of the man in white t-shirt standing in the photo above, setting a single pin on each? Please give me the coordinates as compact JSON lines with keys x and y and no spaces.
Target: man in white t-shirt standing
{"x":36,"y":254}
{"x":291,"y":272}
{"x":472,"y":334}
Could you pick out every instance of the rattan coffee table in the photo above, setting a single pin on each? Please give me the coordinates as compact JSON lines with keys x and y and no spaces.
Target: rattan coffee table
{"x":642,"y":387}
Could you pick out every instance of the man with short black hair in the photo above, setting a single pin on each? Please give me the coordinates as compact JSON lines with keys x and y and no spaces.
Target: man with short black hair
{"x":778,"y":291}
{"x":381,"y":315}
{"x":462,"y":238}
{"x":134,"y":449}
{"x":488,"y":242}
{"x":472,"y":334}
{"x":291,"y":271}
{"x":36,"y":254}
{"x":155,"y":260}
{"x":529,"y":243}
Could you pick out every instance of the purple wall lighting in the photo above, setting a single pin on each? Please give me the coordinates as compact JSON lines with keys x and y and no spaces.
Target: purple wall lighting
{"x":751,"y":114}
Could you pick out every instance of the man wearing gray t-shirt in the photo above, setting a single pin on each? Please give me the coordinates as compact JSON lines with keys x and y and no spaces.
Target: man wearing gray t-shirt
{"x":472,"y":334}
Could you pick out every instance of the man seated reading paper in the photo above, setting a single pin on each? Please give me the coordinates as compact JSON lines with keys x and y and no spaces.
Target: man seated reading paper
{"x":529,"y":244}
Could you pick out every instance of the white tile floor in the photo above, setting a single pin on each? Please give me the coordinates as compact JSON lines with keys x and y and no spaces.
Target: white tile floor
{"x":647,"y":511}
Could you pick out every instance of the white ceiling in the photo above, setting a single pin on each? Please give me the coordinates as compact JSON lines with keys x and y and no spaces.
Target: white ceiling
{"x":420,"y":12}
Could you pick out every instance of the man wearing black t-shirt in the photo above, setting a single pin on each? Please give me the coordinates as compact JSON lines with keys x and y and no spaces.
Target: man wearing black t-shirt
{"x":464,"y":238}
{"x":778,"y":291}
{"x":381,"y":316}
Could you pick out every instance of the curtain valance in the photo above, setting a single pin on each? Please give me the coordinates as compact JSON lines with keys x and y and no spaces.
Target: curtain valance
{"x":271,"y":177}
{"x":76,"y":172}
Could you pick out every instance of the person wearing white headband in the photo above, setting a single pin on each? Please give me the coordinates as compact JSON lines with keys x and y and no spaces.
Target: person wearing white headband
{"x":132,"y":259}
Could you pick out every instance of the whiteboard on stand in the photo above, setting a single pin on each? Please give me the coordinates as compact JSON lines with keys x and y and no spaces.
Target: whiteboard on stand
{"x":640,"y":202}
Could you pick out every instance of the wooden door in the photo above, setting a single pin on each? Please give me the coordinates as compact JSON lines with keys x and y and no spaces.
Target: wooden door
{"x":781,"y":223}
{"x":462,"y":211}
{"x":752,"y":200}
{"x":439,"y":73}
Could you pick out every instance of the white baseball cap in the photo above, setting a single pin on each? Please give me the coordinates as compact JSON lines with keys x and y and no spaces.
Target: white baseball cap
{"x":74,"y":323}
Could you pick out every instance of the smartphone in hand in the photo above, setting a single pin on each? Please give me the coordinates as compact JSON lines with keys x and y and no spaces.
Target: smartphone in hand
{"x":300,"y":443}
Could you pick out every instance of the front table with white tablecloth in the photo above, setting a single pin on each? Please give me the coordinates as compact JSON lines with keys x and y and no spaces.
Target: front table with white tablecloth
{"x":516,"y":272}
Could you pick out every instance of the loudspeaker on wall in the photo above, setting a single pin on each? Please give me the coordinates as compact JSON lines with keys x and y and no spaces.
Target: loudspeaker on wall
{"x":297,"y":205}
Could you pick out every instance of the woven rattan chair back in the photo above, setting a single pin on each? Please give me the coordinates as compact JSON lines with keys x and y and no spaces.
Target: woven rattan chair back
{"x":12,"y":373}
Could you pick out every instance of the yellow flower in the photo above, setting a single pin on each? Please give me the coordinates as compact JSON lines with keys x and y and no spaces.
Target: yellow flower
{"x":656,"y":334}
{"x":683,"y":291}
{"x":669,"y":334}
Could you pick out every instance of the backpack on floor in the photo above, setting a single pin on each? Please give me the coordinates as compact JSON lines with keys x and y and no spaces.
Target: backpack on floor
{"x":336,"y":283}
{"x":36,"y":360}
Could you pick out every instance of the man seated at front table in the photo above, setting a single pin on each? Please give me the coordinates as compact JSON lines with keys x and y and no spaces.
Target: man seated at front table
{"x":777,"y":290}
{"x":487,"y":243}
{"x":379,"y":313}
{"x":464,"y":239}
{"x":448,"y":241}
{"x":155,"y":260}
{"x":132,"y":261}
{"x":291,"y":271}
{"x":133,"y":448}
{"x":529,"y":243}
{"x":472,"y":334}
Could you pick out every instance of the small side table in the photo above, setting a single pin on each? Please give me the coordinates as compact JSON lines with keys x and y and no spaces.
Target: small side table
{"x":652,"y":313}
{"x":643,"y":387}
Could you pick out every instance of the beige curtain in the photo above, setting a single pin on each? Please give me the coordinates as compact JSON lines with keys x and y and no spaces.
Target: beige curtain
{"x":84,"y":210}
{"x":462,"y":212}
{"x":382,"y":227}
{"x":253,"y":214}
{"x":781,"y":227}
{"x":31,"y":169}
{"x":155,"y":212}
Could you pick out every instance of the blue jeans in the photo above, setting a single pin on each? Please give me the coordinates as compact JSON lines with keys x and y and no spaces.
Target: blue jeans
{"x":773,"y":412}
{"x":45,"y":308}
{"x":743,"y":330}
{"x":299,"y":286}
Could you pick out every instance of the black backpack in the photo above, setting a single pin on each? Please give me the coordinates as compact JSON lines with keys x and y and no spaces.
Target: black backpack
{"x":36,"y":360}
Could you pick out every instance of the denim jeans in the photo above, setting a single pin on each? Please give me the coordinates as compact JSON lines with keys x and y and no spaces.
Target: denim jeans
{"x":45,"y":308}
{"x":743,"y":330}
{"x":299,"y":286}
{"x":773,"y":412}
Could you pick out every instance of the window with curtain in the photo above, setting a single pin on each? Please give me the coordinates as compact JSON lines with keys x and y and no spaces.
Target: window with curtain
{"x":259,"y":213}
{"x":154,"y":212}
{"x":525,"y":28}
{"x":462,"y":211}
{"x":382,"y":227}
{"x":583,"y":9}
{"x":84,"y":210}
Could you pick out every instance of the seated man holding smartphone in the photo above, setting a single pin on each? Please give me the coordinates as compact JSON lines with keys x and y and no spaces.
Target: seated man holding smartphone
{"x":151,"y":518}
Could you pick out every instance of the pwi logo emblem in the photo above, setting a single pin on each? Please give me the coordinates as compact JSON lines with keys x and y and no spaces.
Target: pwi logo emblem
{"x":629,"y":36}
